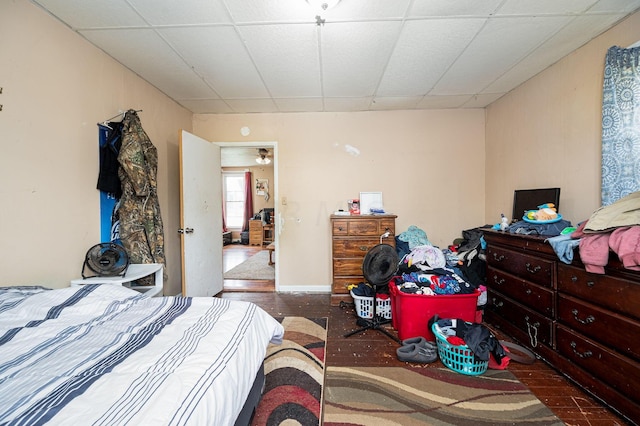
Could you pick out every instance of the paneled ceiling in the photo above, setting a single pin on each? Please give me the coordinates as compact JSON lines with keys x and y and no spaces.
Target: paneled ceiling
{"x":256,"y":56}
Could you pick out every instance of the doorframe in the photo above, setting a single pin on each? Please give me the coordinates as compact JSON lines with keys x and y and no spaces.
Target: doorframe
{"x":273,"y":145}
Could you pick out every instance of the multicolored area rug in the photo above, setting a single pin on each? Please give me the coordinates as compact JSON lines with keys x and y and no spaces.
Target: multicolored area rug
{"x":294,"y":375}
{"x":429,"y":396}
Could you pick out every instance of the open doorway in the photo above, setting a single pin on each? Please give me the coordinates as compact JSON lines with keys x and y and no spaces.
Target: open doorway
{"x":249,"y":256}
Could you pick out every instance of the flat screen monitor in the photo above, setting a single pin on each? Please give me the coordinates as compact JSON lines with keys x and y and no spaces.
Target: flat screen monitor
{"x":530,"y":199}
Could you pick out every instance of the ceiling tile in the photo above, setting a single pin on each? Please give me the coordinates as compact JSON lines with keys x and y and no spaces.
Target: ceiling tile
{"x":447,"y":8}
{"x":247,"y":106}
{"x":145,"y":53}
{"x":206,"y":106}
{"x":299,"y":104}
{"x":579,"y":31}
{"x":367,"y":9}
{"x":387,"y":103}
{"x":263,"y":11}
{"x":354,"y":56}
{"x":286,"y":57}
{"x":347,"y":104}
{"x":170,"y":12}
{"x":442,"y":102}
{"x":500,"y":45}
{"x":615,"y":6}
{"x":424,"y":52}
{"x":544,"y":7}
{"x":219,"y":55}
{"x":80,"y":14}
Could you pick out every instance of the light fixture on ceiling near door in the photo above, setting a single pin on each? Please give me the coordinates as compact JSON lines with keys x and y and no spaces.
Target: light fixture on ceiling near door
{"x":262,"y":156}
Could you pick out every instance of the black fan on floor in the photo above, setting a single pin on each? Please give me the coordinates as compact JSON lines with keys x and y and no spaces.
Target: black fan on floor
{"x":380,"y":264}
{"x":105,"y":260}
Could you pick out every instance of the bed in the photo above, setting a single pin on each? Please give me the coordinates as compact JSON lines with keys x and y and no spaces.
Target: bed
{"x":107,"y":355}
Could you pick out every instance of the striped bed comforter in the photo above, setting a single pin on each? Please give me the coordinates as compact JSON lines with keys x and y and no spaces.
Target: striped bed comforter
{"x":107,"y":355}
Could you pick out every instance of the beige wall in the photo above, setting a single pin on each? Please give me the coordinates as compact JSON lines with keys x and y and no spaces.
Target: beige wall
{"x":56,"y":87}
{"x":429,"y":166}
{"x":547,"y":132}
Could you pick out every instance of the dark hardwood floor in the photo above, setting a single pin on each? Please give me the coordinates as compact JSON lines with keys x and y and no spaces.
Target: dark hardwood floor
{"x":373,"y":348}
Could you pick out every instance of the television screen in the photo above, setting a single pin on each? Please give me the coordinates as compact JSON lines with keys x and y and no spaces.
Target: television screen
{"x":530,"y":199}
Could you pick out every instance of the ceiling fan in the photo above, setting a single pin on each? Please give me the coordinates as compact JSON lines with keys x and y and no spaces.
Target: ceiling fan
{"x":263,"y":156}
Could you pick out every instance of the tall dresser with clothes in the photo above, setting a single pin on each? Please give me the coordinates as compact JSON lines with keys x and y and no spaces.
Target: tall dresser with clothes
{"x":586,"y":325}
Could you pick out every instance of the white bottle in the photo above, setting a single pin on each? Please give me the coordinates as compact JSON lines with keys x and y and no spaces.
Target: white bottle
{"x":504,"y":222}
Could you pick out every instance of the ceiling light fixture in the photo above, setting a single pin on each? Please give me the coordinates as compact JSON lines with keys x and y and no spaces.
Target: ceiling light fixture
{"x":321,"y":6}
{"x":262,"y":157}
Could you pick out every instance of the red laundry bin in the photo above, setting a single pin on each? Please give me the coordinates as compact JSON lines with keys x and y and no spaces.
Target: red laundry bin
{"x":410,"y":313}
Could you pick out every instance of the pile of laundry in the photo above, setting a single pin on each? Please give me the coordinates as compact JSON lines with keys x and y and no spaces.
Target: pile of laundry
{"x":476,"y":336}
{"x":428,"y":270}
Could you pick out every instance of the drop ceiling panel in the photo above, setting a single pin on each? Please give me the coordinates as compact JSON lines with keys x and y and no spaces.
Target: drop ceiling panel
{"x":354,"y":56}
{"x":299,"y":105}
{"x":218,"y":54}
{"x":206,"y":106}
{"x":148,"y":55}
{"x":246,"y":106}
{"x":579,"y":31}
{"x":287,"y":57}
{"x":367,"y":9}
{"x":448,"y":8}
{"x":171,"y":12}
{"x":543,"y":7}
{"x":261,"y":11}
{"x":80,"y":14}
{"x":501,"y":44}
{"x":424,"y":52}
{"x":394,"y":103}
{"x":615,"y":6}
{"x":347,"y":104}
{"x":443,"y":102}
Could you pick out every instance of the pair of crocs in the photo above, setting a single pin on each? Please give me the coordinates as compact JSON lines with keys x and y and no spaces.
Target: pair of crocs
{"x":417,"y":349}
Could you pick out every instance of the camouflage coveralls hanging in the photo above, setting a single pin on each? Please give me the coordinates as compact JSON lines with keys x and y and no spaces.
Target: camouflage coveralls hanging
{"x":141,"y":229}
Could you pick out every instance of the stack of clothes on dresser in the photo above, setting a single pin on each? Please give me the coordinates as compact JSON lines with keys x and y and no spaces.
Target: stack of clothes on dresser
{"x":426,"y":269}
{"x":613,"y":228}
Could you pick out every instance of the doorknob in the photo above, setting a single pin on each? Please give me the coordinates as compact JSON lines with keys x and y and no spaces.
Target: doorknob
{"x":185,"y":231}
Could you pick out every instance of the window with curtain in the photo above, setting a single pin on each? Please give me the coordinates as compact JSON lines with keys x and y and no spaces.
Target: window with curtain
{"x":233,"y":193}
{"x":621,"y":124}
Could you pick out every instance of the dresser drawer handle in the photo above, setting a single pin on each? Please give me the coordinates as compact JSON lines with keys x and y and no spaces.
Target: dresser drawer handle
{"x":498,"y":258}
{"x":498,"y":281}
{"x":364,"y":248}
{"x":534,"y":269}
{"x":589,"y":283}
{"x":587,"y":320}
{"x":532,"y":331}
{"x":528,"y":291}
{"x":497,"y":304}
{"x":585,"y":354}
{"x":340,"y":228}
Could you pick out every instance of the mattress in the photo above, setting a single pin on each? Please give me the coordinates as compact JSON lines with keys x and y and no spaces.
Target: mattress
{"x":106,"y":355}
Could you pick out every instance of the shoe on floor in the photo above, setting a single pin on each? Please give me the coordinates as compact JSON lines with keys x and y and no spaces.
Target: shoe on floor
{"x":415,"y":353}
{"x":420,"y":341}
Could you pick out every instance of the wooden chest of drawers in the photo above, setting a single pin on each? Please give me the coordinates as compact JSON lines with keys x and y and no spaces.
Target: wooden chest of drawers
{"x":585,"y":325}
{"x":352,"y":238}
{"x":255,"y":232}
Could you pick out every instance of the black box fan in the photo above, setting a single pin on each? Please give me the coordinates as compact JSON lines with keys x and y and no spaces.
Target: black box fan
{"x":105,"y":260}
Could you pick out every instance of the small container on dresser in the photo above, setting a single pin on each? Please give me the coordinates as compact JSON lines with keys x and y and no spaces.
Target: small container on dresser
{"x":585,"y":325}
{"x":352,"y":237}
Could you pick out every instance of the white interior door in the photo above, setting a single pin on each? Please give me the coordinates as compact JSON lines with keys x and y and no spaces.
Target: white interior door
{"x":200,"y":216}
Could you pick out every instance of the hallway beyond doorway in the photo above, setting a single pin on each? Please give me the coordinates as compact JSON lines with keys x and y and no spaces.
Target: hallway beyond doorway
{"x":235,"y":254}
